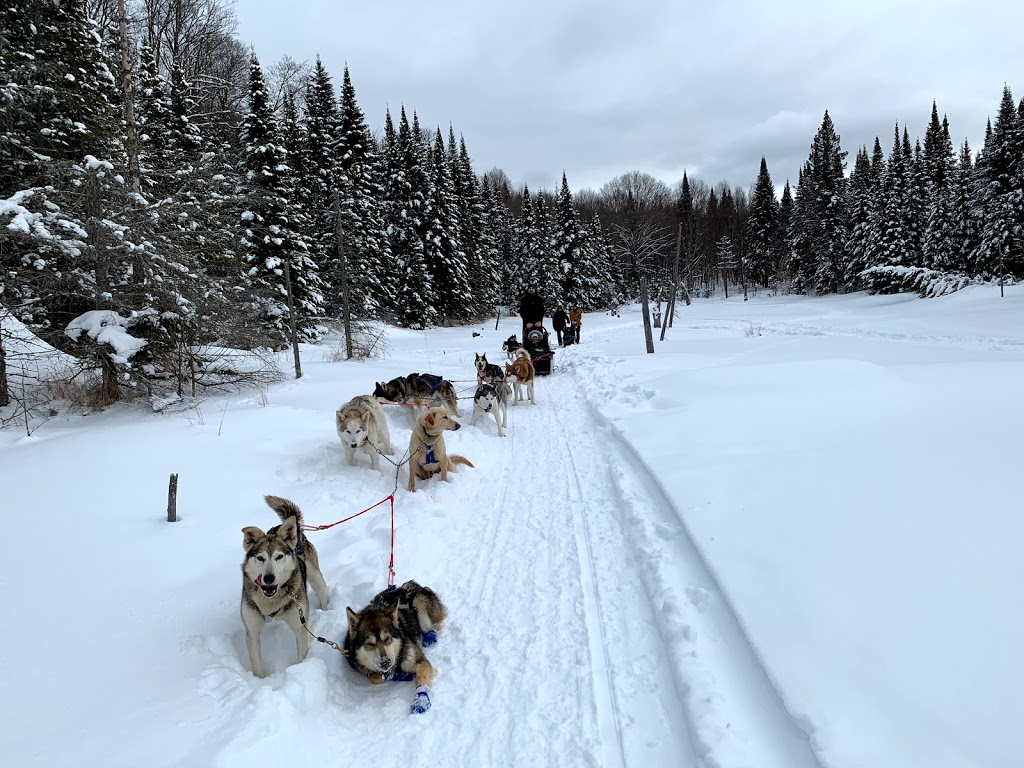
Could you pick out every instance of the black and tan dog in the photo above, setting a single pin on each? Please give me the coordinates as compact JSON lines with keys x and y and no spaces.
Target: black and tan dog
{"x":510,"y":345}
{"x":419,"y":389}
{"x":385,"y":640}
{"x":487,"y":373}
{"x":428,"y":453}
{"x":277,"y":566}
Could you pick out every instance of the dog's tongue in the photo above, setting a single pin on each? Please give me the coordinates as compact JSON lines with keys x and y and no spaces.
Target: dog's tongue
{"x":259,"y":580}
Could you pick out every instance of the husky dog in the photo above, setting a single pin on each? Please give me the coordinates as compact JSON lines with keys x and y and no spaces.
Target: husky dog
{"x":493,"y":399}
{"x":361,"y":424}
{"x":487,"y":373}
{"x":277,"y":566}
{"x":384,"y":640}
{"x":427,"y":452}
{"x":419,"y":389}
{"x":510,"y":345}
{"x":521,"y":372}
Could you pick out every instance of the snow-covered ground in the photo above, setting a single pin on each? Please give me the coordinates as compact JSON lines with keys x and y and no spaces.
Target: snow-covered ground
{"x":791,"y":537}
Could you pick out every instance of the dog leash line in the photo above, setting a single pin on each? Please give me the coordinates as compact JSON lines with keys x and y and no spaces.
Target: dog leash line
{"x":324,"y":527}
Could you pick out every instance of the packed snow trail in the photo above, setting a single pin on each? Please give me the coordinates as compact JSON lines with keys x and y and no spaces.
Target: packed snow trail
{"x":595,"y":633}
{"x":567,"y":667}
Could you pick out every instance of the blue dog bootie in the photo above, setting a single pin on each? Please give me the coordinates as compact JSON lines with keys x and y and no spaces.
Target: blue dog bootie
{"x":428,"y":638}
{"x":398,"y":676}
{"x":422,"y":701}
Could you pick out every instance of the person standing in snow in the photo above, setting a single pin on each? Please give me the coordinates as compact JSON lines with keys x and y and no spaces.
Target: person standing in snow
{"x":576,"y":320}
{"x":531,"y":308}
{"x":558,"y":322}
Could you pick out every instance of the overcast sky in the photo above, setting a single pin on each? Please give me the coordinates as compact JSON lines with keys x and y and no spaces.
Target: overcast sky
{"x":600,"y":88}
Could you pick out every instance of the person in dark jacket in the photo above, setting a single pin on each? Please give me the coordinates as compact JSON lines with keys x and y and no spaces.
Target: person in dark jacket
{"x":531,"y":308}
{"x":558,"y":322}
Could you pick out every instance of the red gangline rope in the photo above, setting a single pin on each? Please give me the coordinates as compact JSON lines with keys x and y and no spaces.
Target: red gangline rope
{"x":391,"y":562}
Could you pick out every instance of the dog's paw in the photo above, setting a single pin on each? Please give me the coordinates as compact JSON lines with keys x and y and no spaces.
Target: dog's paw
{"x":422,"y":701}
{"x":427,"y":639}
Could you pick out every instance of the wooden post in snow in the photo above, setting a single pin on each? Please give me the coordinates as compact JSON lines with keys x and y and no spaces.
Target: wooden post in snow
{"x":172,"y":499}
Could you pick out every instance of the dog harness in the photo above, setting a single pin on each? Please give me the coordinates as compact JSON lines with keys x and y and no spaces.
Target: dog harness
{"x":434,"y":388}
{"x":430,"y":454}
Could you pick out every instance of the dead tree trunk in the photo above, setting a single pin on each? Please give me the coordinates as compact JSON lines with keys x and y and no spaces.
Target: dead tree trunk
{"x":343,"y":276}
{"x":172,"y":499}
{"x":646,"y":302}
{"x":131,"y":132}
{"x":293,"y":326}
{"x":5,"y":395}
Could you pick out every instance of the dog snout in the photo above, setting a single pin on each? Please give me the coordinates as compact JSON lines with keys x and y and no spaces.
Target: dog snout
{"x":457,"y":426}
{"x":385,"y":663}
{"x":268,"y":578}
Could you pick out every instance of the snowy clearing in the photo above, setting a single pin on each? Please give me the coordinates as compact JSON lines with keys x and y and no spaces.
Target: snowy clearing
{"x":789,"y":538}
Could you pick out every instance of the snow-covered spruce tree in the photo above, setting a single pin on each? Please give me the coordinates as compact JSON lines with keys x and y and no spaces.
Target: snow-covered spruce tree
{"x":964,"y":235}
{"x":407,"y":188}
{"x":59,"y":92}
{"x":608,"y":271}
{"x":999,"y":200}
{"x":480,"y":236}
{"x":61,"y":116}
{"x":323,"y":126}
{"x":549,"y":273}
{"x":862,"y":213}
{"x":185,"y":134}
{"x":154,"y":115}
{"x":269,"y":242}
{"x":889,"y":248}
{"x":501,"y":223}
{"x":578,"y":278}
{"x":358,"y":175}
{"x":830,"y":222}
{"x":446,"y":260}
{"x":801,"y":255}
{"x":306,"y":273}
{"x":525,"y":266}
{"x":782,"y":273}
{"x":763,"y":236}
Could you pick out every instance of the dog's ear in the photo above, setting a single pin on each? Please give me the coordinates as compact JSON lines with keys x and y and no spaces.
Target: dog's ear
{"x":289,"y":531}
{"x":250,"y":536}
{"x":429,"y":418}
{"x":394,"y":615}
{"x":353,"y":621}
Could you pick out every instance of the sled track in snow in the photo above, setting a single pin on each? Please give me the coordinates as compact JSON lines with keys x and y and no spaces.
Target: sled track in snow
{"x":604,"y":689}
{"x":724,"y":682}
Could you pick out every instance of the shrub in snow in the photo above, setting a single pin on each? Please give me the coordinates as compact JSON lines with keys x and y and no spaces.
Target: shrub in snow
{"x":927,"y":283}
{"x":104,"y":334}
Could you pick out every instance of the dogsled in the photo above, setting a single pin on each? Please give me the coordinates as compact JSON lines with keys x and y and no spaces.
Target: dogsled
{"x":569,"y":335}
{"x":537,"y":344}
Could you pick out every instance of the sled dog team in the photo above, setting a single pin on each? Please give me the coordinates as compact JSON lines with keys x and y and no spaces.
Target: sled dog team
{"x":385,"y":640}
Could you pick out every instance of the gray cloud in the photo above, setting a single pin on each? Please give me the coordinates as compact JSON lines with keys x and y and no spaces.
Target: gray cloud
{"x":600,"y":88}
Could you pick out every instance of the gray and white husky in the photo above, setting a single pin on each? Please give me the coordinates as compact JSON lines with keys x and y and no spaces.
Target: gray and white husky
{"x":277,"y":566}
{"x":361,"y":424}
{"x":493,"y":399}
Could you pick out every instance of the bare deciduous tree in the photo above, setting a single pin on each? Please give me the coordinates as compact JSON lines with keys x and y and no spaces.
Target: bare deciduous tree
{"x":640,"y":242}
{"x":287,"y":77}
